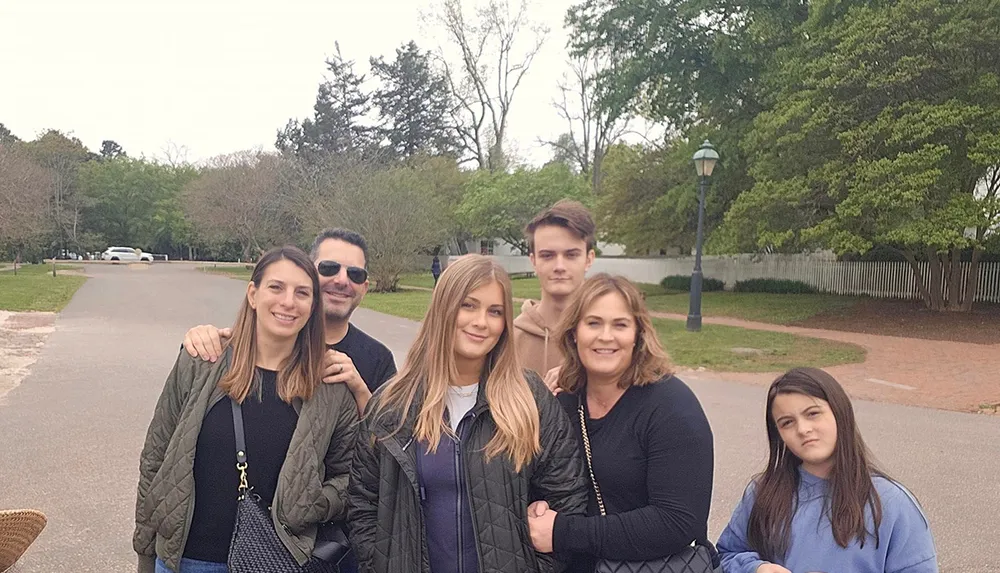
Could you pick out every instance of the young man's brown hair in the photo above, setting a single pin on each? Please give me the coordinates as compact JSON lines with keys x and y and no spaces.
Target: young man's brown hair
{"x":568,"y":214}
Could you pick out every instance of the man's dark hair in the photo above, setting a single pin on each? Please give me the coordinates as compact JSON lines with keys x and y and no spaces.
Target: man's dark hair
{"x":341,"y":235}
{"x":568,"y":214}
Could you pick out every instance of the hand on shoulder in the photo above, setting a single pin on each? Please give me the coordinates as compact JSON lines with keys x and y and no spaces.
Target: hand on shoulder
{"x":205,"y":341}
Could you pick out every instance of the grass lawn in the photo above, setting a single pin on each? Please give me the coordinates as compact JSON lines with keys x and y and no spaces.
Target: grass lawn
{"x":755,"y":306}
{"x":35,"y":289}
{"x":523,"y":287}
{"x":711,"y":348}
{"x":759,"y":307}
{"x":236,"y":272}
{"x":411,"y":304}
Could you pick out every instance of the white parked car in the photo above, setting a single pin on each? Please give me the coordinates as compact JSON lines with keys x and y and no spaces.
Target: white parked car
{"x":126,"y":254}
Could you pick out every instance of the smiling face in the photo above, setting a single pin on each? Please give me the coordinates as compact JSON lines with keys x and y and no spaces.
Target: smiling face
{"x":479,"y":324}
{"x":560,"y":259}
{"x":340,"y":295}
{"x":605,"y":338}
{"x":808,"y":428}
{"x":283,"y":301}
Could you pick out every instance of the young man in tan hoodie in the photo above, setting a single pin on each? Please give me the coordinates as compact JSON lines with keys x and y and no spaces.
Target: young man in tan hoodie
{"x":561,"y":242}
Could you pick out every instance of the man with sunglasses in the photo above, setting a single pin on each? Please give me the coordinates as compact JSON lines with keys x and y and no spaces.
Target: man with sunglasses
{"x":353,"y":357}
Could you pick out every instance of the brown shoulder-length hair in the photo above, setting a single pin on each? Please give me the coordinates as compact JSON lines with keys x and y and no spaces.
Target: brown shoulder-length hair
{"x":301,"y":372}
{"x":430,"y":367}
{"x":649,"y":360}
{"x":851,"y":485}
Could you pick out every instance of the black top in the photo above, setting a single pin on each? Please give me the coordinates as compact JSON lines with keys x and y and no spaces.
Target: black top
{"x":653,"y":459}
{"x":373,"y":359}
{"x":269,"y":423}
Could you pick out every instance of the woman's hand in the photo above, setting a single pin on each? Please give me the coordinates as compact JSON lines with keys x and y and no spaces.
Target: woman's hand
{"x":541,"y":521}
{"x":551,"y":380}
{"x":771,"y":568}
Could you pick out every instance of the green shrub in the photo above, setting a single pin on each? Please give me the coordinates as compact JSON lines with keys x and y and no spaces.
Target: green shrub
{"x":775,"y":286}
{"x":683,"y":283}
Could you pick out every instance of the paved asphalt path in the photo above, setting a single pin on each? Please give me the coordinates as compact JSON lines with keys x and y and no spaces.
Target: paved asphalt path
{"x":71,"y":433}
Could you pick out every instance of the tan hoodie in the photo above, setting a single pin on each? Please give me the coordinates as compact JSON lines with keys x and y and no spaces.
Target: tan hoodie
{"x":535,"y":341}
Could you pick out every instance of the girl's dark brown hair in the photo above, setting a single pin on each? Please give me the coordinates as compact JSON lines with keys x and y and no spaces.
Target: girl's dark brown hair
{"x":851,"y":488}
{"x":301,"y":373}
{"x":649,"y":361}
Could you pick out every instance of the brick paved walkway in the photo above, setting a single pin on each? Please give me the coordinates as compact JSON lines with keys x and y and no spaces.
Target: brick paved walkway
{"x":931,"y":373}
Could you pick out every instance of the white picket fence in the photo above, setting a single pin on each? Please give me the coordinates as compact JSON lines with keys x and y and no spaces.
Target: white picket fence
{"x":874,"y":279}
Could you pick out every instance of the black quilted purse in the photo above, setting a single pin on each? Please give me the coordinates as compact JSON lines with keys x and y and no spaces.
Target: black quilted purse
{"x":255,"y":546}
{"x":699,"y":558}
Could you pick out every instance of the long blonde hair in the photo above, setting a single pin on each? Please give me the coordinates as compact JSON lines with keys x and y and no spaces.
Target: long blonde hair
{"x":430,"y":367}
{"x":301,"y":373}
{"x":649,"y":361}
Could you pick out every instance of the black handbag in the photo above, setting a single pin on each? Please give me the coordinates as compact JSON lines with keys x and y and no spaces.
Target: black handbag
{"x":255,"y":545}
{"x":699,"y":558}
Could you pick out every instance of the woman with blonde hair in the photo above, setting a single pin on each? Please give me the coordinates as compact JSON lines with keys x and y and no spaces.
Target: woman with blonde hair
{"x":647,"y":442}
{"x":454,"y":448}
{"x":254,"y":438}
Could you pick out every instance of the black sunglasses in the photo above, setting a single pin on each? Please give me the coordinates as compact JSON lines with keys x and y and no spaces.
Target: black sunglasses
{"x":357,"y":275}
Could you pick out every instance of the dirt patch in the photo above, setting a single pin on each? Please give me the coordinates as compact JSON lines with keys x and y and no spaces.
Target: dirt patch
{"x":22,"y":335}
{"x":909,"y":319}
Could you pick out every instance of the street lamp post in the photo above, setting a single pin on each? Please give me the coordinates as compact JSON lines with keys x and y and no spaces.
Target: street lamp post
{"x":704,"y":163}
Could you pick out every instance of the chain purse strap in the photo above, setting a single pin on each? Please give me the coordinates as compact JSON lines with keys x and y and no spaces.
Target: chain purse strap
{"x":590,"y":463}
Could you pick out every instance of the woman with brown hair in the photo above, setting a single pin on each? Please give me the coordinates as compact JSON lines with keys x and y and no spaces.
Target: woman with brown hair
{"x":453,"y":448}
{"x":822,"y":504}
{"x":298,"y":433}
{"x":647,"y":440}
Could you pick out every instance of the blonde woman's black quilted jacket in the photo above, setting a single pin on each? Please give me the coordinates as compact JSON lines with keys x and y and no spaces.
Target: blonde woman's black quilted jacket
{"x":384,"y":510}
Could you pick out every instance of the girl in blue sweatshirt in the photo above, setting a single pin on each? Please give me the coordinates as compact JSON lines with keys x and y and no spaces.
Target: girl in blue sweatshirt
{"x":821,"y":506}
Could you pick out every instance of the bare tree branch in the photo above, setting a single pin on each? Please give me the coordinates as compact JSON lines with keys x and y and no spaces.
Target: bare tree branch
{"x":591,"y":129}
{"x":485,"y":91}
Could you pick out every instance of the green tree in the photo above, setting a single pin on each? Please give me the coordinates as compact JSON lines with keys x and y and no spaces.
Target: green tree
{"x":414,"y":104}
{"x":699,"y":67}
{"x":133,"y":202}
{"x":62,"y":156}
{"x":240,"y":199}
{"x":649,"y":201}
{"x":111,"y":150}
{"x":6,"y":137}
{"x":25,"y":188}
{"x":402,"y":209}
{"x":338,"y":124}
{"x":886,"y":132}
{"x":499,"y":205}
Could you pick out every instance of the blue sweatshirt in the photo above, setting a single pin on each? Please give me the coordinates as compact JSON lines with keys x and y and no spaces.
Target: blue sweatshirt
{"x":905,"y":543}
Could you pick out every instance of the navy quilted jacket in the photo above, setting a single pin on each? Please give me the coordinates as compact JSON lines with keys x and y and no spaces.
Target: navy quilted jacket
{"x":384,"y":509}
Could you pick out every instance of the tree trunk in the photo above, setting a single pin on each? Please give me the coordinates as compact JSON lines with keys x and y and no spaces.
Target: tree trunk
{"x":595,"y":171}
{"x":918,"y":276}
{"x":954,"y":299}
{"x":972,"y":284}
{"x":936,"y":280}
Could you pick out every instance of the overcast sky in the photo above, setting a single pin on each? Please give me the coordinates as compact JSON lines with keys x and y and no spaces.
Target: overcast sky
{"x":216,"y":76}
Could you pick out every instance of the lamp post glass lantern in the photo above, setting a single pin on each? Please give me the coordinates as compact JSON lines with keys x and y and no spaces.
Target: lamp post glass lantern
{"x":704,"y":163}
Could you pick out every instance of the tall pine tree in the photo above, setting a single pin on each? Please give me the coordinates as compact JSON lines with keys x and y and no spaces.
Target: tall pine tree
{"x":415,"y":104}
{"x":338,"y":122}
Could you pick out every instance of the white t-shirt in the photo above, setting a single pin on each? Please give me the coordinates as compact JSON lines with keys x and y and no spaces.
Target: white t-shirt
{"x":459,"y":400}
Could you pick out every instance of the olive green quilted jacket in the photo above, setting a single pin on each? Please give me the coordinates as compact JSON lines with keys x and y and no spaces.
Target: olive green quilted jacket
{"x":311,"y":486}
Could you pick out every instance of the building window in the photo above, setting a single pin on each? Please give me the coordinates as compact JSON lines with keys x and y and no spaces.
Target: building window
{"x":485,"y":247}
